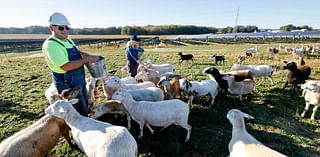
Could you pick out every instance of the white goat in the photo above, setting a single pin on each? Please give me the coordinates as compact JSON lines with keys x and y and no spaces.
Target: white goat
{"x":299,"y":52}
{"x":257,"y":70}
{"x":241,"y":59}
{"x":90,"y":86}
{"x":239,"y":88}
{"x":154,"y":76}
{"x":161,"y":68}
{"x":115,"y":83}
{"x":95,"y":138}
{"x":128,"y":80}
{"x":252,"y":50}
{"x":196,"y":89}
{"x":149,"y":75}
{"x":311,"y":93}
{"x":242,"y":144}
{"x":160,"y":113}
{"x":52,"y":91}
{"x":124,"y":70}
{"x":312,"y":85}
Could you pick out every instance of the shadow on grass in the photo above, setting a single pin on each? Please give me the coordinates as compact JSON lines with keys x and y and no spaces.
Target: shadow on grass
{"x":211,"y":130}
{"x":8,"y":107}
{"x":278,"y":110}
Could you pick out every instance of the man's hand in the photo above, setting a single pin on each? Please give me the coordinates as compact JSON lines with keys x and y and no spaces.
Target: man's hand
{"x":91,"y":58}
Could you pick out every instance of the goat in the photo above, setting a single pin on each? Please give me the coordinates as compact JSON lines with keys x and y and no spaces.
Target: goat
{"x":288,"y":49}
{"x":296,"y":75}
{"x":40,"y":137}
{"x":249,"y":54}
{"x":241,"y":88}
{"x":161,"y":68}
{"x":154,"y":76}
{"x":311,"y":93}
{"x":241,"y":59}
{"x":51,"y":93}
{"x":111,"y":106}
{"x":273,"y":50}
{"x":242,"y":144}
{"x":185,"y":57}
{"x":114,"y":83}
{"x":196,"y":89}
{"x":252,"y":50}
{"x":160,"y":113}
{"x":219,"y":59}
{"x":256,"y":70}
{"x":214,"y":73}
{"x":171,"y":87}
{"x":95,"y":138}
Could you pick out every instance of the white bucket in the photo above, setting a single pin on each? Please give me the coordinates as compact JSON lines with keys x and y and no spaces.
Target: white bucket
{"x":97,"y":69}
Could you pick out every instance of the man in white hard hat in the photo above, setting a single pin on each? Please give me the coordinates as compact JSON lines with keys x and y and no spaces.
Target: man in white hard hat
{"x":66,"y":61}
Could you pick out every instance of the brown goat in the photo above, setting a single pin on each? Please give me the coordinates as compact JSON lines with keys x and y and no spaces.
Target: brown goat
{"x":171,"y":87}
{"x":296,"y":75}
{"x":39,"y":138}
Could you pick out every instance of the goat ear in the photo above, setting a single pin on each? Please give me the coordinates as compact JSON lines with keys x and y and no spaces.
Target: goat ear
{"x":74,"y":101}
{"x":285,"y":62}
{"x":247,"y":115}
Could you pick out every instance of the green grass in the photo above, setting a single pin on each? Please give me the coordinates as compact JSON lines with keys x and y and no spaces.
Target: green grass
{"x":277,"y":124}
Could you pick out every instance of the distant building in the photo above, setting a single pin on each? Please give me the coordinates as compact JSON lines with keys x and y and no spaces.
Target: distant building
{"x":299,"y":30}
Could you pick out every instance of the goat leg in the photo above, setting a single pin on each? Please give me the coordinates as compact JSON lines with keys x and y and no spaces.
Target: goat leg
{"x":315,"y":108}
{"x":293,"y":88}
{"x":285,"y":85}
{"x":306,"y":108}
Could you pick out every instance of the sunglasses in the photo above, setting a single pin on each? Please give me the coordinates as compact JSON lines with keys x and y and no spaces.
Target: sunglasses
{"x":61,"y":28}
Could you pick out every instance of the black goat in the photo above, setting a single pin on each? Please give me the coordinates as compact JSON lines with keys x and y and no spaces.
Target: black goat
{"x":249,"y":54}
{"x":219,"y":59}
{"x":296,"y":75}
{"x":185,"y":57}
{"x":273,"y":50}
{"x":223,"y":84}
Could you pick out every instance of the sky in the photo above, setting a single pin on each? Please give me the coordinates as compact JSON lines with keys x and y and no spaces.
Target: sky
{"x":213,"y":13}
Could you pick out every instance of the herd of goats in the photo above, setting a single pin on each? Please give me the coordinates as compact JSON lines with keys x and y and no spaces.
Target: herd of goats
{"x":152,"y":99}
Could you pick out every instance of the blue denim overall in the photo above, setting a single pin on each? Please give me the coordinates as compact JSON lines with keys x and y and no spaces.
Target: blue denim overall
{"x":71,"y":79}
{"x":132,"y":57}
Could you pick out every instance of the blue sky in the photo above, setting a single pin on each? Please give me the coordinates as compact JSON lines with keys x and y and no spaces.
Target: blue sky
{"x":216,"y":13}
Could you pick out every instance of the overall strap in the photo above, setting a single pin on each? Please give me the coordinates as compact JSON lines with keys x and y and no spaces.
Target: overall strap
{"x":52,"y":39}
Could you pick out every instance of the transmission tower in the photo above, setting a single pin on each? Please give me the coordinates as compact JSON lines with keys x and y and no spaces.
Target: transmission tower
{"x":236,"y":25}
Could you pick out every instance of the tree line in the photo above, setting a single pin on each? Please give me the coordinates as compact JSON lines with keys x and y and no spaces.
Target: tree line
{"x":147,"y":30}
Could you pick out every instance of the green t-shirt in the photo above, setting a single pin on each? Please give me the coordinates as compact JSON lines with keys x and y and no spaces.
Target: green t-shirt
{"x":55,"y":54}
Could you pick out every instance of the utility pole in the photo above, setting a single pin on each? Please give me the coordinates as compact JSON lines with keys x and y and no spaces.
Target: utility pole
{"x":236,"y":25}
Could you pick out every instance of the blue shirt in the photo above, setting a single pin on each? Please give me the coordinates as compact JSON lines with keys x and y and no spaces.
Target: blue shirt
{"x":132,"y":54}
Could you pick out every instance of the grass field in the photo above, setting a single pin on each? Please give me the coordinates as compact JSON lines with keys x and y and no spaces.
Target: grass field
{"x":277,"y":124}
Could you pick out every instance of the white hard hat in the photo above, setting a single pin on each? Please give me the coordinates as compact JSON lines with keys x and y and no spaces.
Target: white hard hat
{"x":58,"y":19}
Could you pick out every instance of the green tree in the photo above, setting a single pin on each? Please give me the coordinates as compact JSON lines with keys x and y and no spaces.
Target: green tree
{"x":288,"y":28}
{"x":228,"y":29}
